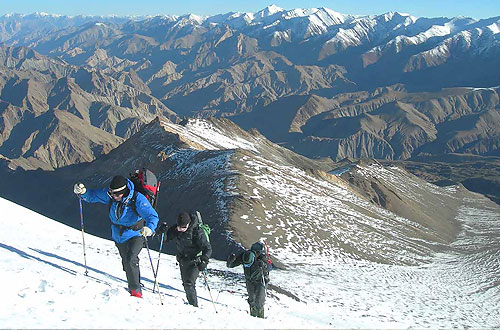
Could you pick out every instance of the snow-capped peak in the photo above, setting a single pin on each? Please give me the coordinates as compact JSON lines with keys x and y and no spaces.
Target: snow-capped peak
{"x":205,"y":135}
{"x":269,"y":10}
{"x":334,"y":14}
{"x":495,"y":28}
{"x":193,"y":18}
{"x":43,"y":14}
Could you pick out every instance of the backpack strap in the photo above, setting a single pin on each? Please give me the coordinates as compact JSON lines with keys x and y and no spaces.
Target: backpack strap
{"x":132,"y":203}
{"x":136,"y":226}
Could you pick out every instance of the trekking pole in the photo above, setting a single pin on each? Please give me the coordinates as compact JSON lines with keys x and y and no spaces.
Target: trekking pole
{"x":218,"y":294}
{"x":153,"y":268}
{"x":83,"y":236}
{"x":208,"y":287}
{"x":158,"y":264}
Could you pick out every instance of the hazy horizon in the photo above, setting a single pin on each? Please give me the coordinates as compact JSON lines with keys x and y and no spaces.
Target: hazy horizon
{"x":424,"y":8}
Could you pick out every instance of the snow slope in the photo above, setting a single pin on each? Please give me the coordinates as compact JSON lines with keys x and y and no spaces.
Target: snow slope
{"x":45,"y":286}
{"x":43,"y":269}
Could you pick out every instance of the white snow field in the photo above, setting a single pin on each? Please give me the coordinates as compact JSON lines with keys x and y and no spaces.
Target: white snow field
{"x":45,"y":287}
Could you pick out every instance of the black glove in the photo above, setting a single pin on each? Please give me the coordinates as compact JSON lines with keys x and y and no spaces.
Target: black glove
{"x":201,"y":264}
{"x":162,"y":228}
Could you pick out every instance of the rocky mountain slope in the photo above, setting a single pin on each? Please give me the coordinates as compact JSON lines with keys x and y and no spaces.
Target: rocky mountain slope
{"x":54,"y":114}
{"x":248,"y":188}
{"x":476,"y":173}
{"x":390,"y":123}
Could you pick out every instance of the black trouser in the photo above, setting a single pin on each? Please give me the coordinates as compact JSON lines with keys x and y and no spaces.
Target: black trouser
{"x":189,"y":274}
{"x":256,"y":297}
{"x":129,"y":251}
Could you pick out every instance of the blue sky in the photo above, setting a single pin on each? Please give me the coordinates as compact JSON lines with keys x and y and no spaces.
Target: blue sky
{"x":425,"y":8}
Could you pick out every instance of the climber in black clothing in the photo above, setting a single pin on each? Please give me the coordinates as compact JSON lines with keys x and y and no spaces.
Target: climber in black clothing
{"x":256,"y":268}
{"x":193,"y":251}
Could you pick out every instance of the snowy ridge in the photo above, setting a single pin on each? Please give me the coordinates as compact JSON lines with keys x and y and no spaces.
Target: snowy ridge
{"x":326,"y":29}
{"x":207,"y":136}
{"x":454,"y":35}
{"x":322,"y":229}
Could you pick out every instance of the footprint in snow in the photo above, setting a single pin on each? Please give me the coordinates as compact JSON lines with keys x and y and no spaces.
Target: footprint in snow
{"x":42,"y":286}
{"x":111,"y":292}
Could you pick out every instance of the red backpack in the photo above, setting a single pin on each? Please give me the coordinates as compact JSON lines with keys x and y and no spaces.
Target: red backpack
{"x":146,"y":183}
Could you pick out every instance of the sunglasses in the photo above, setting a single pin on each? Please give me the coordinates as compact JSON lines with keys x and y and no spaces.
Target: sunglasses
{"x":116,"y":194}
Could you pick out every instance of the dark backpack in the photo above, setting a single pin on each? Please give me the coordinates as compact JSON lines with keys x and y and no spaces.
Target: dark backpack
{"x":203,"y":226}
{"x":258,"y":270}
{"x":261,"y":249}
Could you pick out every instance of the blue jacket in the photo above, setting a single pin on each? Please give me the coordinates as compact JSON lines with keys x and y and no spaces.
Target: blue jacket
{"x":128,"y":217}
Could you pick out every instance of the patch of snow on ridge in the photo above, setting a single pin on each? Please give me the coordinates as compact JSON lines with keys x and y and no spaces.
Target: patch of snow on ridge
{"x":269,"y":11}
{"x":334,"y":218}
{"x":483,"y":88}
{"x":433,"y":31}
{"x":210,"y":137}
{"x":495,"y":28}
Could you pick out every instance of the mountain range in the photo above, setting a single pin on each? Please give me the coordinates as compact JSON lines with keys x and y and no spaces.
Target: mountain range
{"x":302,"y":68}
{"x":321,"y":83}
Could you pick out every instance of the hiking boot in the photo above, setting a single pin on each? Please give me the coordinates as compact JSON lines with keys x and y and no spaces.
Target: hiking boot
{"x":136,"y":293}
{"x":260,"y":312}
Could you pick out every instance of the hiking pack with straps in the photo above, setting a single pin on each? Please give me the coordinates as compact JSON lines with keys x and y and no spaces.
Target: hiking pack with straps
{"x":147,"y":184}
{"x":204,"y":227}
{"x":256,"y":263}
{"x":261,"y":248}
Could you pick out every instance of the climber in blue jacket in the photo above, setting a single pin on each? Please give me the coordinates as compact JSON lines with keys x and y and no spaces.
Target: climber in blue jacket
{"x":133,"y":219}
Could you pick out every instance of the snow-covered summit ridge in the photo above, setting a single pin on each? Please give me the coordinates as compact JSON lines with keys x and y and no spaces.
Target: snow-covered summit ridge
{"x":269,"y":10}
{"x":203,"y":133}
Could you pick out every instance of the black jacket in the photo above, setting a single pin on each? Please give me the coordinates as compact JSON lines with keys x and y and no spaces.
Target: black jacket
{"x":190,"y":243}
